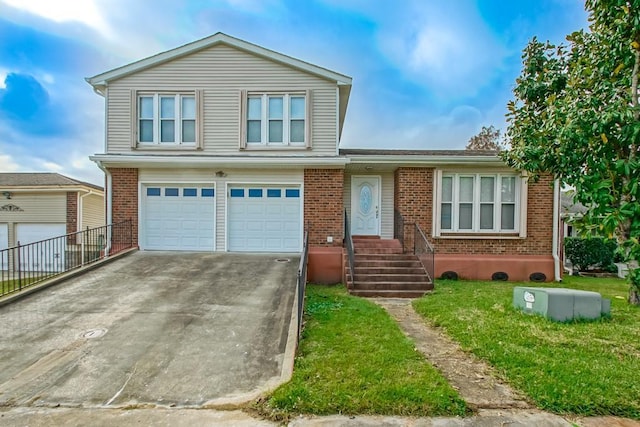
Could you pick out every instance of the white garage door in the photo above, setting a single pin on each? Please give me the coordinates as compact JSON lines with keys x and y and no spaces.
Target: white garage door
{"x":264,"y":218}
{"x":178,"y":217}
{"x":44,"y":256}
{"x":4,"y":244}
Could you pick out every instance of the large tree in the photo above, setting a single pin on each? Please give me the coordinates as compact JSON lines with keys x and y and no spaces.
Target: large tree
{"x":487,"y":139}
{"x":576,"y":115}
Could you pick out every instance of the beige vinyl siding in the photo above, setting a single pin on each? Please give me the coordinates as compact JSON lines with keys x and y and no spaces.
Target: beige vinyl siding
{"x":92,"y":211}
{"x":221,"y":72}
{"x":39,"y":208}
{"x":386,"y":209}
{"x":233,"y":176}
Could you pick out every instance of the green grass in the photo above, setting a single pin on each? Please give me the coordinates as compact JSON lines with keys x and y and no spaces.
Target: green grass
{"x":12,"y":285}
{"x":585,"y":368}
{"x":353,"y":359}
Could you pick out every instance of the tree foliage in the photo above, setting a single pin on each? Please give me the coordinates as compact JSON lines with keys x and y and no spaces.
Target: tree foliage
{"x":575,"y":114}
{"x":487,"y":139}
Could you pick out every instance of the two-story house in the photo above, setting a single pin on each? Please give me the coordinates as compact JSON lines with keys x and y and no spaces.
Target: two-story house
{"x":223,"y":145}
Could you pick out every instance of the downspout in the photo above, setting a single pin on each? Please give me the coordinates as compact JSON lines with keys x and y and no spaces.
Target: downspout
{"x":556,"y":229}
{"x":109,"y":218}
{"x":81,"y":209}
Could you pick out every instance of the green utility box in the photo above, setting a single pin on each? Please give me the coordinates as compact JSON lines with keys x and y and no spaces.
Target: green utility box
{"x":561,"y":304}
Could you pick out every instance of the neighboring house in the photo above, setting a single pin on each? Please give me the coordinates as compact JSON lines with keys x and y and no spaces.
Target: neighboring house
{"x":39,"y":206}
{"x":222,"y":145}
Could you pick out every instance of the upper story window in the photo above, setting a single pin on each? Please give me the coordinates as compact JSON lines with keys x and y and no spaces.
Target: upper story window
{"x":469,"y":203}
{"x":275,"y":119}
{"x":166,"y":119}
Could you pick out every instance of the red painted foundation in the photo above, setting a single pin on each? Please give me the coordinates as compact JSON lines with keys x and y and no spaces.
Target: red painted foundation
{"x":482,"y":267}
{"x":325,"y":266}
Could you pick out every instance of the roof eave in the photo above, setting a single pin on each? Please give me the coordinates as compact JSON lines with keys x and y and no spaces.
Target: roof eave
{"x":101,"y":80}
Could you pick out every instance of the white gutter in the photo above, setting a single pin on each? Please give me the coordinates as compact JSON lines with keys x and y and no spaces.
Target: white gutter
{"x":556,"y":229}
{"x":222,"y":161}
{"x":108,"y":193}
{"x":424,"y":160}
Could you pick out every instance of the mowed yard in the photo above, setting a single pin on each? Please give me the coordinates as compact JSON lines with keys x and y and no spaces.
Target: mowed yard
{"x":353,"y":358}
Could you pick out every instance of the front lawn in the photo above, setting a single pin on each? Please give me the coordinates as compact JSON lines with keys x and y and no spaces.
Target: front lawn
{"x":586,"y":368}
{"x":353,"y":359}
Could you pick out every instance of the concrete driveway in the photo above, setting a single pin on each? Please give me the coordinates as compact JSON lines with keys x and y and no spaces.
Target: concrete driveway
{"x":153,"y":328}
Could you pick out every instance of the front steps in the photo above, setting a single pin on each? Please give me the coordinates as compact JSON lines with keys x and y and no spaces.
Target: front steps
{"x":382,"y":270}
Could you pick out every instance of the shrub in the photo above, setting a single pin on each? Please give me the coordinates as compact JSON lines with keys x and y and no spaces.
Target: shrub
{"x":590,"y":253}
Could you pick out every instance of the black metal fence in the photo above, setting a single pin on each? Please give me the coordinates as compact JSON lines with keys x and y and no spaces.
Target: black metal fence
{"x":424,"y":251}
{"x":26,"y":265}
{"x":348,"y":240}
{"x":301,"y":285}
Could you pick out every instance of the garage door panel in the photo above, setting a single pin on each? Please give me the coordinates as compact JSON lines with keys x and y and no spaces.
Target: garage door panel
{"x":266,"y":222}
{"x":179,"y":217}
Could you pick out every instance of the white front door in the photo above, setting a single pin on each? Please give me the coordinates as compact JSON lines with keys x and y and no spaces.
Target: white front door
{"x":365,"y":205}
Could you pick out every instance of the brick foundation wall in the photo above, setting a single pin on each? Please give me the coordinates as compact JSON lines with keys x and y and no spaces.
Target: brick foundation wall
{"x":72,"y":212}
{"x":324,"y":205}
{"x":414,"y":200}
{"x":124,"y":198}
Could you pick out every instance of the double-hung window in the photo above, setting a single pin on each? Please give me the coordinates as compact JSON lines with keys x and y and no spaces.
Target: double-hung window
{"x":166,"y":118}
{"x":276,"y":119}
{"x":479,"y":203}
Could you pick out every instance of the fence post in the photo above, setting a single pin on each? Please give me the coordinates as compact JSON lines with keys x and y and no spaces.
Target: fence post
{"x":19,"y":270}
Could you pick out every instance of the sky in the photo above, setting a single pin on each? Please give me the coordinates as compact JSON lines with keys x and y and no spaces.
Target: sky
{"x":427,"y":74}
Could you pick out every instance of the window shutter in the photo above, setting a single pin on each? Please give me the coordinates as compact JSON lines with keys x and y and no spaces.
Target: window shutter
{"x":309,"y":110}
{"x":243,"y":119}
{"x":199,"y":95}
{"x":133,"y":97}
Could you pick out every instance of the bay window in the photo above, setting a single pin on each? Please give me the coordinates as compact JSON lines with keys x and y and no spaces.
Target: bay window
{"x":478,"y":203}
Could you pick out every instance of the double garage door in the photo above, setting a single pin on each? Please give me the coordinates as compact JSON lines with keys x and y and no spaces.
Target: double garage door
{"x":46,"y":256}
{"x":259,"y":218}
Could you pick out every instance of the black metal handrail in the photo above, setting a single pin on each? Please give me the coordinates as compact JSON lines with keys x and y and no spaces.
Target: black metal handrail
{"x":348,"y":241}
{"x":398,"y":227}
{"x":301,"y":283}
{"x":424,"y":251}
{"x":22,"y":266}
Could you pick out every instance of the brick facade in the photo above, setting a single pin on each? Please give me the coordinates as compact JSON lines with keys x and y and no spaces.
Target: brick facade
{"x":324,"y":206}
{"x":124,"y":198}
{"x":413,"y":199}
{"x":72,"y":212}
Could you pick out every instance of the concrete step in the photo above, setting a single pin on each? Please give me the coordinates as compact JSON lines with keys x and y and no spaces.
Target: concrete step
{"x":378,"y":268}
{"x":387,"y":293}
{"x":385,"y":257}
{"x":397,"y":286}
{"x":376,"y":250}
{"x":375,"y":263}
{"x":395,"y":278}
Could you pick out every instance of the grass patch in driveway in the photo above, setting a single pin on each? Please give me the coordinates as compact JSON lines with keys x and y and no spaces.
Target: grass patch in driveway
{"x":585,"y":368}
{"x":353,"y":359}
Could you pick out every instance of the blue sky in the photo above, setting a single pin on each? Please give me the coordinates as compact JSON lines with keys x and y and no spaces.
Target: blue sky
{"x":426,"y":74}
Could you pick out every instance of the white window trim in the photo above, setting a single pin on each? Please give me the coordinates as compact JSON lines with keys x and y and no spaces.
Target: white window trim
{"x":520,"y":220}
{"x":156,"y":144}
{"x":264,"y":121}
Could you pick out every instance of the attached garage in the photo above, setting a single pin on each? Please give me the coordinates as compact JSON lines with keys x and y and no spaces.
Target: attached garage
{"x":264,"y":218}
{"x":178,"y":217}
{"x":45,"y":256}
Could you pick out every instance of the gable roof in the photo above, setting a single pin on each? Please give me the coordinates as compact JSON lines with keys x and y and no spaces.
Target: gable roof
{"x":100,"y":81}
{"x":42,"y":179}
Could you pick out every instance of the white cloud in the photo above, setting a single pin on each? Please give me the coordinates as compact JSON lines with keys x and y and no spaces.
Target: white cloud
{"x":7,"y":164}
{"x":84,"y":11}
